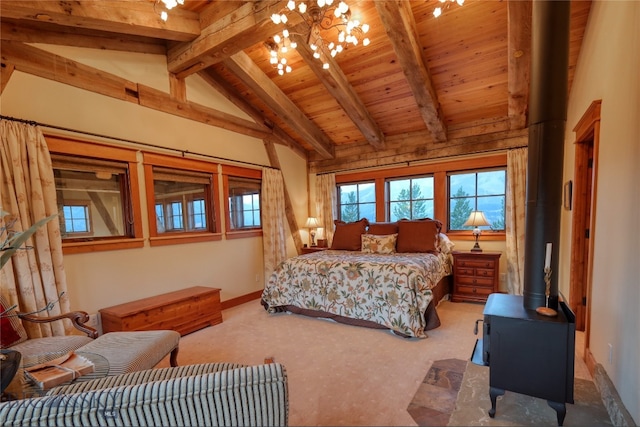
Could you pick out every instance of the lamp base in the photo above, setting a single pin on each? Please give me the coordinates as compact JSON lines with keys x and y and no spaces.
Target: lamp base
{"x":476,"y":248}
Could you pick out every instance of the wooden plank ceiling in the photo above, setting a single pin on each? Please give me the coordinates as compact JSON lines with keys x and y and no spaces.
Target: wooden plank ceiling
{"x":425,"y":88}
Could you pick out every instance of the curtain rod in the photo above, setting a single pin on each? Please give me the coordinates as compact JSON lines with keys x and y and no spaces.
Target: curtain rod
{"x":130,"y":141}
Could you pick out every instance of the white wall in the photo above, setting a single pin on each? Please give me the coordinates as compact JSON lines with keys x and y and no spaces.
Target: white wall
{"x":101,"y":279}
{"x":609,"y":69}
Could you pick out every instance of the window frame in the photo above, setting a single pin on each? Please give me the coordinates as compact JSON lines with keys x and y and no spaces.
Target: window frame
{"x":475,"y":197}
{"x":439,"y":171}
{"x":189,"y":165}
{"x":239,"y":172}
{"x":79,"y":148}
{"x":339,"y":207}
{"x":411,"y":200}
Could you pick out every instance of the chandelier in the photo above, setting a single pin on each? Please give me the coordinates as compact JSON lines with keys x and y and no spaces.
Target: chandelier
{"x":320,"y":16}
{"x":167,"y":6}
{"x":446,"y":4}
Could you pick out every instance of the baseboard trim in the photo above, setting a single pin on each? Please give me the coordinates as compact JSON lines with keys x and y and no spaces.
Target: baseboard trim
{"x":241,"y":299}
{"x":619,"y":414}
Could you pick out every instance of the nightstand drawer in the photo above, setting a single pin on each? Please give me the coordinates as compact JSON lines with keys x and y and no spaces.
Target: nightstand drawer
{"x":475,"y":290}
{"x":485,"y":272}
{"x":475,"y":263}
{"x":475,"y":280}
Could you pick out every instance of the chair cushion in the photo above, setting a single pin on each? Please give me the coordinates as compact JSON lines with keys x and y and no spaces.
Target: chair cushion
{"x":11,"y":330}
{"x":40,"y":350}
{"x":133,"y":351}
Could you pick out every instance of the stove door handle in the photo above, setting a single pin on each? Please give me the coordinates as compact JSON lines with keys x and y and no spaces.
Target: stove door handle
{"x":475,"y":328}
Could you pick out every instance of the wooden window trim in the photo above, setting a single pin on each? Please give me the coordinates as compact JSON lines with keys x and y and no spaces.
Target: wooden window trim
{"x":175,"y":238}
{"x":240,"y":172}
{"x":75,"y":147}
{"x":439,"y":172}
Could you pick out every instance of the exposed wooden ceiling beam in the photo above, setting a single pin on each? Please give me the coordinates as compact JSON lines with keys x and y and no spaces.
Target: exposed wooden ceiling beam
{"x":6,"y":70}
{"x":229,"y":92}
{"x":38,"y":62}
{"x":242,"y":66}
{"x":248,"y":24}
{"x":126,"y":17}
{"x":519,"y":48}
{"x":399,"y":23}
{"x":339,"y":87}
{"x":44,"y":32}
{"x":405,"y":148}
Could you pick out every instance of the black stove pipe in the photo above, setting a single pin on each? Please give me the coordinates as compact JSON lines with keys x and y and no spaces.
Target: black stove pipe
{"x":547,"y":118}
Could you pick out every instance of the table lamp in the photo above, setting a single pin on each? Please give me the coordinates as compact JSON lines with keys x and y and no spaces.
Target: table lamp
{"x":476,"y":219}
{"x":312,"y":223}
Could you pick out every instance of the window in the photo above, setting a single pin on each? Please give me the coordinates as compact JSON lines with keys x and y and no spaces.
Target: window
{"x":76,"y":218}
{"x":97,"y":195}
{"x":182,"y":192}
{"x":429,"y":190}
{"x":410,"y":198}
{"x":242,"y":187}
{"x":484,"y":191}
{"x":356,"y":201}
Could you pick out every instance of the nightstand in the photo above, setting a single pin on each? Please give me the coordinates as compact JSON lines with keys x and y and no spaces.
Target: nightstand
{"x":475,"y":275}
{"x":310,"y":249}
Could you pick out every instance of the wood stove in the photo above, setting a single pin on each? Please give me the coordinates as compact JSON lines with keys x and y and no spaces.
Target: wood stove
{"x":527,"y":353}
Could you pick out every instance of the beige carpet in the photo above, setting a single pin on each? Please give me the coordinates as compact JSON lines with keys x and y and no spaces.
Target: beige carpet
{"x":339,"y":374}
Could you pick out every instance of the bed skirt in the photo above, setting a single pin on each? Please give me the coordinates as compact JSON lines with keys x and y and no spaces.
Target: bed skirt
{"x":432,"y":321}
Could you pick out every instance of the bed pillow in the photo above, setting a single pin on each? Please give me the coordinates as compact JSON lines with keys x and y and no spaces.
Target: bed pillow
{"x":379,"y":244}
{"x":418,"y":235}
{"x":383,"y":228}
{"x":348,"y":235}
{"x":11,"y":330}
{"x":445,"y":244}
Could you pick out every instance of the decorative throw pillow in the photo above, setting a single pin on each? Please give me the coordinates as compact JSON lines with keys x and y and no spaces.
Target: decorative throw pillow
{"x":418,"y":236}
{"x":11,"y":330}
{"x":382,"y":228}
{"x":347,"y":235}
{"x":379,"y":244}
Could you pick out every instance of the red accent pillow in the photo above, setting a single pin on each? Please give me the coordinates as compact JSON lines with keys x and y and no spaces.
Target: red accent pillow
{"x":11,"y":330}
{"x":383,"y":228}
{"x":348,"y":235}
{"x":418,"y":236}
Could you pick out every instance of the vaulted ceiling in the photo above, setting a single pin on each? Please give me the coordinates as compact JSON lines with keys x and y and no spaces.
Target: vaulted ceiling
{"x":425,"y":88}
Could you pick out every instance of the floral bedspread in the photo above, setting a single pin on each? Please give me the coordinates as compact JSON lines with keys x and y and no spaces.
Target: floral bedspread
{"x":392,"y":290}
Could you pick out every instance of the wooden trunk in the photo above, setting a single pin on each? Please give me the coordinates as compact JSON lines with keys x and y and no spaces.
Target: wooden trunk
{"x":184,"y":311}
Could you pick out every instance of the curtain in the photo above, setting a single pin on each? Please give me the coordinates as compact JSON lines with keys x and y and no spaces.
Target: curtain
{"x":273,"y":220}
{"x":35,"y":277}
{"x":515,"y":218}
{"x":326,"y":203}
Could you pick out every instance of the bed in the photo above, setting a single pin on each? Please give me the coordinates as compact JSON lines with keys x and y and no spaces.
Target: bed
{"x":389,"y":284}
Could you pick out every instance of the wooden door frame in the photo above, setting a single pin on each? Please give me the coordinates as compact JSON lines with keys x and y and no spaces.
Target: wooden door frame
{"x":583,"y":218}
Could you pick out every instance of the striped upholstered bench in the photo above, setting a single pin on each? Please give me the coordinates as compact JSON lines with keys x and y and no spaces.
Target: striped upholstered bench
{"x":132,"y":351}
{"x":197,"y":395}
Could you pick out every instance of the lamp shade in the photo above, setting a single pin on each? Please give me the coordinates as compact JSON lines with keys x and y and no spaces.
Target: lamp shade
{"x":476,"y":219}
{"x":312,"y":222}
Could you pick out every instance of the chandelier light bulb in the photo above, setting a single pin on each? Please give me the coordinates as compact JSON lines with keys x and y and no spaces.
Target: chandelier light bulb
{"x":316,"y":55}
{"x":280,"y":72}
{"x":163,"y":15}
{"x":313,"y":46}
{"x":321,"y":3}
{"x":325,"y":66}
{"x":291,"y":5}
{"x":285,"y":32}
{"x":283,"y":49}
{"x":284,"y":18}
{"x":365,"y":28}
{"x":366,"y":42}
{"x":328,"y":2}
{"x":273,"y":60}
{"x":275,"y":18}
{"x":277,"y":38}
{"x":283,"y":61}
{"x":293,"y":45}
{"x":437,"y":12}
{"x":302,"y":7}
